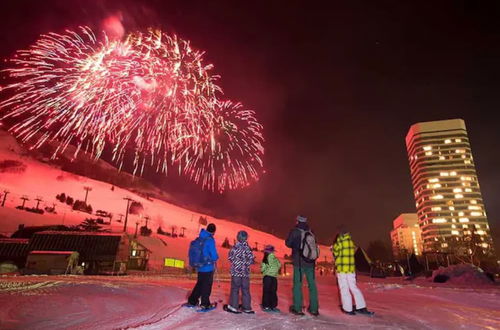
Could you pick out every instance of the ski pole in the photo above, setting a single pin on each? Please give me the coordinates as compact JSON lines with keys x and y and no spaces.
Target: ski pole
{"x":217,"y":279}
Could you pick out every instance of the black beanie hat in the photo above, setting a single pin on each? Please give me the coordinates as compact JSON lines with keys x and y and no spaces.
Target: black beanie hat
{"x":211,"y":228}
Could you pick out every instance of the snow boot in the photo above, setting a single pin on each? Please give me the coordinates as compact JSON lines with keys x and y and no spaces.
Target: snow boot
{"x":348,"y":313}
{"x":294,"y":312}
{"x":313,"y":313}
{"x":230,"y":309}
{"x":208,"y":308}
{"x":364,"y":311}
{"x":266,"y":309}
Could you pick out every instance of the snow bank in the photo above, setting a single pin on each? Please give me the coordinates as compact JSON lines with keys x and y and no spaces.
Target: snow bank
{"x":464,"y":274}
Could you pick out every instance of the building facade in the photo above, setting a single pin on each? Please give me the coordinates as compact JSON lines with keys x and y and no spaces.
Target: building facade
{"x":406,"y":236}
{"x":450,"y":208}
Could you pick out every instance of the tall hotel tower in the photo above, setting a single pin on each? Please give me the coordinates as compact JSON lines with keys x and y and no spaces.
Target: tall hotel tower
{"x":447,"y":194}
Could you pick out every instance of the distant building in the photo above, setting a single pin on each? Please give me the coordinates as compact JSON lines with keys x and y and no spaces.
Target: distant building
{"x":446,"y":187}
{"x":406,"y":236}
{"x":99,"y":252}
{"x":14,"y":250}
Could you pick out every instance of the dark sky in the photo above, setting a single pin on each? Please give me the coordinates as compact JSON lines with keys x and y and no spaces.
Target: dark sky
{"x":336,"y":88}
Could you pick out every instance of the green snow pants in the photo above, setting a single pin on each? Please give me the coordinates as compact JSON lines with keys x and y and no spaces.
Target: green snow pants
{"x":298,"y":274}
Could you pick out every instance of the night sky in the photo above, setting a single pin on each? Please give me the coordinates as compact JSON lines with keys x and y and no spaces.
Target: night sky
{"x":336,"y":88}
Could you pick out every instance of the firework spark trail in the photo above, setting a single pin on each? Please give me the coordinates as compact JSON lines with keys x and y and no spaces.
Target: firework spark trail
{"x":230,"y":156}
{"x":149,"y":94}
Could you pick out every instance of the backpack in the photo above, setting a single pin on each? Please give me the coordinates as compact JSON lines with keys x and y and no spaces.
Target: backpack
{"x":196,"y":257}
{"x":308,"y":248}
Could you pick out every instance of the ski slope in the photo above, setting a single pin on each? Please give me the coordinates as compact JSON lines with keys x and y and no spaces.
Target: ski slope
{"x":42,"y":180}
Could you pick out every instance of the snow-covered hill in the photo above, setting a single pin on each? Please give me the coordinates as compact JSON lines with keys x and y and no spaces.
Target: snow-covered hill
{"x":35,"y":179}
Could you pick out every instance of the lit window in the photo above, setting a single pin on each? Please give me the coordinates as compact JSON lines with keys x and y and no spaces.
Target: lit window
{"x":453,"y":173}
{"x":427,"y":148}
{"x":485,"y":245}
{"x":444,"y":245}
{"x":464,"y":156}
{"x":437,"y":197}
{"x":476,"y":214}
{"x":466,"y":161}
{"x":452,"y":208}
{"x":457,"y":190}
{"x":465,"y":226}
{"x":134,"y":253}
{"x":453,"y":226}
{"x":454,"y":232}
{"x":442,"y":157}
{"x":468,"y":190}
{"x":459,"y":196}
{"x":447,"y":141}
{"x":473,"y":201}
{"x":433,"y":180}
{"x":474,"y":207}
{"x":439,"y":220}
{"x":436,"y":185}
{"x":460,"y":151}
{"x":436,"y":208}
{"x":444,"y":174}
{"x":480,"y":232}
{"x":428,"y":153}
{"x":463,"y":220}
{"x":460,"y":214}
{"x":458,"y":140}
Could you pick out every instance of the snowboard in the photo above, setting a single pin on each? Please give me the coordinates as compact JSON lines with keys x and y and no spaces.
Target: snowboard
{"x":188,"y":305}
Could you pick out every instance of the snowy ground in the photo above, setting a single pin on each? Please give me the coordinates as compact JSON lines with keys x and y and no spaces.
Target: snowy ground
{"x":49,"y":302}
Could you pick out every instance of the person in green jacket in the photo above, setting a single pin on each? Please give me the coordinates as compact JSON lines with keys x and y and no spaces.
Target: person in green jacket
{"x":270,"y":268}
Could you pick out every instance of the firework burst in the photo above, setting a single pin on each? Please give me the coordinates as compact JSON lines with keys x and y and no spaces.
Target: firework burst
{"x":149,"y":94}
{"x":229,"y":156}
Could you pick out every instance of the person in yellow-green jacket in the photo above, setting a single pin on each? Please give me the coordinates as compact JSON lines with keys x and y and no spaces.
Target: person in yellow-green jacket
{"x":270,"y":267}
{"x":343,"y":252}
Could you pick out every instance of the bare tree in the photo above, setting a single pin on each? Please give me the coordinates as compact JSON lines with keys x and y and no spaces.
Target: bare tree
{"x":467,"y":247}
{"x":5,"y":193}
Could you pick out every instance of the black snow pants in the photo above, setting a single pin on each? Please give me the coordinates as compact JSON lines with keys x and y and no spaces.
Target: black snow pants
{"x":203,"y":289}
{"x":269,"y":292}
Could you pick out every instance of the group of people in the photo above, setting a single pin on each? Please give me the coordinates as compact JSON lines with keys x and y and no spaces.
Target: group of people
{"x":302,"y":243}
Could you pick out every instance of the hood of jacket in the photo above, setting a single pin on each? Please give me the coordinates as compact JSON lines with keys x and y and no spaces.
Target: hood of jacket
{"x":204,"y":234}
{"x":302,"y":225}
{"x":344,"y":237}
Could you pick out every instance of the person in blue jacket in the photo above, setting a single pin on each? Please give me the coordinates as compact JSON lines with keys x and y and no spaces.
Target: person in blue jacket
{"x":203,"y":287}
